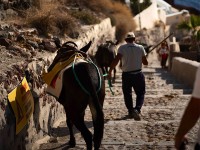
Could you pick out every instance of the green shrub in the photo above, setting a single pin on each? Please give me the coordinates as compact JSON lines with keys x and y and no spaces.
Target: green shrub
{"x":53,"y":19}
{"x":137,"y":7}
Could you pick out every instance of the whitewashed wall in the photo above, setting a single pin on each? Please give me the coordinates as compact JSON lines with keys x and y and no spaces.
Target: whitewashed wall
{"x":184,"y":70}
{"x":149,"y":17}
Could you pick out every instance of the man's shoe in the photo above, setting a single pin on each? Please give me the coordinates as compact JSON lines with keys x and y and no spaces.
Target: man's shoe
{"x":136,"y":115}
{"x":131,"y":115}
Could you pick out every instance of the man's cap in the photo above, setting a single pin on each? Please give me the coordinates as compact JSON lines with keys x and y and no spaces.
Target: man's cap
{"x":130,"y":35}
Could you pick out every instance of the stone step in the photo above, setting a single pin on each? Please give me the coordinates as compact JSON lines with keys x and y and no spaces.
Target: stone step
{"x":161,"y":91}
{"x":150,"y":79}
{"x":165,"y":102}
{"x":150,"y":71}
{"x":148,"y":114}
{"x":159,"y":134}
{"x":150,"y":99}
{"x":110,"y":96}
{"x":166,"y":145}
{"x":155,"y":85}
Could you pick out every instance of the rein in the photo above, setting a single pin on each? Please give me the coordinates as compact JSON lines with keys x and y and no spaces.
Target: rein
{"x":79,"y":55}
{"x":109,"y":84}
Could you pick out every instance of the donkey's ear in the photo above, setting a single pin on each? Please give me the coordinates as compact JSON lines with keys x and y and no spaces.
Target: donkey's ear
{"x":86,"y":47}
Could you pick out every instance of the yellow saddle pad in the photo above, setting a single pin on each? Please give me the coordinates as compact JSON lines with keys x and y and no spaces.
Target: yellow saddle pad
{"x":48,"y":77}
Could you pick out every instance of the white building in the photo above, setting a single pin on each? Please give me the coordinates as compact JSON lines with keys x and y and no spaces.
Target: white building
{"x":159,"y":11}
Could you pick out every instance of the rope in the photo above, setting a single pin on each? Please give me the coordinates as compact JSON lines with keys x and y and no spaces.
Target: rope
{"x":109,"y":84}
{"x":78,"y":55}
{"x":100,"y":80}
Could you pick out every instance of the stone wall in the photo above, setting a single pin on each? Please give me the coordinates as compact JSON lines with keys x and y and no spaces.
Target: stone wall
{"x":187,"y":55}
{"x":184,"y":70}
{"x":48,"y":112}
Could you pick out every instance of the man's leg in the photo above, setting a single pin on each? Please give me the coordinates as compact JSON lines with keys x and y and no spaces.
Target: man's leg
{"x":197,"y":147}
{"x":139,"y":88}
{"x":127,"y":91}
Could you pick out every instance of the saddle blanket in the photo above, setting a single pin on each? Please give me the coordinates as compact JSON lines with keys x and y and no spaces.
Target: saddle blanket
{"x":55,"y":87}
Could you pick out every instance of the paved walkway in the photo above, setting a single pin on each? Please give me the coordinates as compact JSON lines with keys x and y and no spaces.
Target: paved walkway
{"x":165,"y":102}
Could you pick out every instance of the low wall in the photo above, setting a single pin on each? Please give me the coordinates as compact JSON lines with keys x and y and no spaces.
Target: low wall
{"x":187,"y":55}
{"x":48,"y":112}
{"x":184,"y":70}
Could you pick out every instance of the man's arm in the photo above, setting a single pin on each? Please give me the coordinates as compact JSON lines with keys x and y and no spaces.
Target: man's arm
{"x":189,"y":119}
{"x":144,"y":60}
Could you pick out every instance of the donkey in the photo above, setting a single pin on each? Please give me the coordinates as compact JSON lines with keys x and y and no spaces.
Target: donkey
{"x":83,"y":85}
{"x":104,"y":56}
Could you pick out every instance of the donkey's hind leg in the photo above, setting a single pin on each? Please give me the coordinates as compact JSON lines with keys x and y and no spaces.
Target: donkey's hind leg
{"x":72,"y":141}
{"x":104,"y":71}
{"x":87,"y":135}
{"x":114,"y":76}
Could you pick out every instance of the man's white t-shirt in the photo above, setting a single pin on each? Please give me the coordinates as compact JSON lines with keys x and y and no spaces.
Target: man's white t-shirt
{"x":196,"y":94}
{"x":131,"y":56}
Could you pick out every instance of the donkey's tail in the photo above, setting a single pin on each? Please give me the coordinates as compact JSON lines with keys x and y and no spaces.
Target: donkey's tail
{"x":98,"y":120}
{"x":97,"y":115}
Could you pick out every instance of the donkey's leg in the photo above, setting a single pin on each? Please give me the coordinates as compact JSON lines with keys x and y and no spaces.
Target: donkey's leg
{"x":103,"y":70}
{"x":106,"y":68}
{"x":72,"y":141}
{"x":114,"y":77}
{"x":106,"y":71}
{"x":98,"y":124}
{"x":87,"y":135}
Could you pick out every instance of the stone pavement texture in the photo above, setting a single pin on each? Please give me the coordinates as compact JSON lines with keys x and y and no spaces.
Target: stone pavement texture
{"x":164,"y":105}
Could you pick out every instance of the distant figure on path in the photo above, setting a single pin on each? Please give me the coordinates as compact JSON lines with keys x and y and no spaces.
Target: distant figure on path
{"x":191,"y":116}
{"x":163,"y":52}
{"x":131,"y":56}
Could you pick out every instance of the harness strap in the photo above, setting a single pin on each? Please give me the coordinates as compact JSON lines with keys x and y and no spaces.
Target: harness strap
{"x":77,"y":79}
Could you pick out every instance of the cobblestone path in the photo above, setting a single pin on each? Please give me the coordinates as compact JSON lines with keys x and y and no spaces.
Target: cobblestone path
{"x":165,"y":102}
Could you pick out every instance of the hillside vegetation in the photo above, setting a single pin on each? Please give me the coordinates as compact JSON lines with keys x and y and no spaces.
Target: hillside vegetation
{"x":65,"y":17}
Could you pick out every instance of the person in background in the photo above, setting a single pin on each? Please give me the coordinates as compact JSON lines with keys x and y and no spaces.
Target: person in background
{"x":190,"y":116}
{"x":131,"y":56}
{"x":163,"y":52}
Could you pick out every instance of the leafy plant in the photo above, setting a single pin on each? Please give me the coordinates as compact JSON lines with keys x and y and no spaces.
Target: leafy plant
{"x":193,"y":26}
{"x":137,"y":7}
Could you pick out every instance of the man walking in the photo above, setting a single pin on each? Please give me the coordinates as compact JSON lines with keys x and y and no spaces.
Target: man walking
{"x":132,"y":56}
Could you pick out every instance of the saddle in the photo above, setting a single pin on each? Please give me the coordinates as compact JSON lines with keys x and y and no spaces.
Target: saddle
{"x":65,"y":56}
